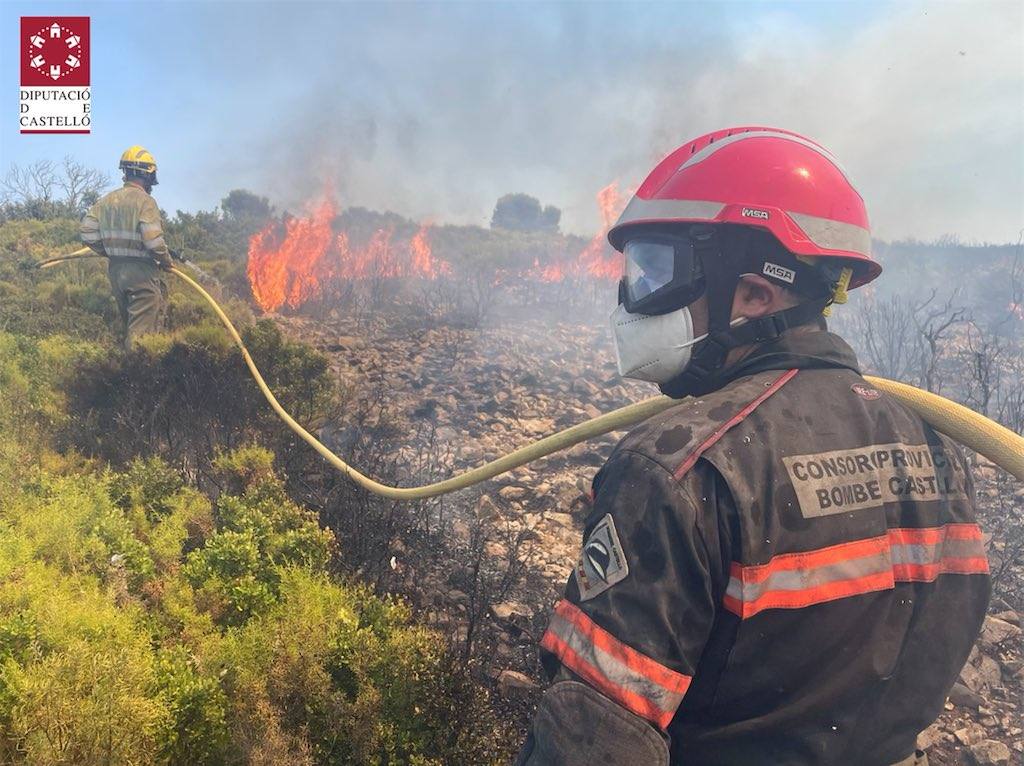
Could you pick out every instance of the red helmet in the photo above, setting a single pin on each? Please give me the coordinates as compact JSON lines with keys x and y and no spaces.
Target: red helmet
{"x":764,"y":177}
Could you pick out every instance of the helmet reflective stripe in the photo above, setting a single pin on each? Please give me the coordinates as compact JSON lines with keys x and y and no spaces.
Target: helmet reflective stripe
{"x":640,"y":209}
{"x":823,"y":232}
{"x":834,"y":235}
{"x":710,"y":149}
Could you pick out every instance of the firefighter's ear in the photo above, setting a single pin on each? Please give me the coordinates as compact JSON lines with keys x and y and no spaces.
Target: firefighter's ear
{"x":757,"y":297}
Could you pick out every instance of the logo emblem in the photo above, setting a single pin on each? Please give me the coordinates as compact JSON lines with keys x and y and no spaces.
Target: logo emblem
{"x":602,"y":561}
{"x":779,"y":272}
{"x":598,"y":557}
{"x":54,"y":95}
{"x":750,"y":212}
{"x":865,"y":391}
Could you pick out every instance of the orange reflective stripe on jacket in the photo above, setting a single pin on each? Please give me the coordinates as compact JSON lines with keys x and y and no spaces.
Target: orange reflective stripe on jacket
{"x":635,"y":681}
{"x":795,"y":580}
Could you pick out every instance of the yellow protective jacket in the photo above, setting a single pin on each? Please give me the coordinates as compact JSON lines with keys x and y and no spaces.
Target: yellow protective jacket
{"x":126,"y":224}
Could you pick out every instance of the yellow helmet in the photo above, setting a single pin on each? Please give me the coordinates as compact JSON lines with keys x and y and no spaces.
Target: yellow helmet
{"x":137,"y":159}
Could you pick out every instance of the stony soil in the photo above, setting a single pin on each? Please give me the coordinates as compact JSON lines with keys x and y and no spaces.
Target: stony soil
{"x":497,"y":387}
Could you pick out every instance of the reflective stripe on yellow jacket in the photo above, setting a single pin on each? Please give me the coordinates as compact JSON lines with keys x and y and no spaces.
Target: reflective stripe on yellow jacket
{"x":125,"y":224}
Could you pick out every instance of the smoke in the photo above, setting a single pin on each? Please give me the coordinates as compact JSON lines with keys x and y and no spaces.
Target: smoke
{"x":438,"y":114}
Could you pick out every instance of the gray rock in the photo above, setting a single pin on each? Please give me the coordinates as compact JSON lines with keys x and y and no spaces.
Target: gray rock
{"x":931,"y":736}
{"x":512,"y":492}
{"x":994,"y":631}
{"x":486,"y":509}
{"x":512,"y":683}
{"x":961,"y":696}
{"x":1009,"y":616}
{"x":981,"y":673}
{"x":508,"y":610}
{"x":989,"y":752}
{"x":969,"y":734}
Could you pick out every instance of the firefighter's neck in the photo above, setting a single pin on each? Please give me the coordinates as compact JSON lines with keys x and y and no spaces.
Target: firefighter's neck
{"x":136,"y":182}
{"x":742,"y":352}
{"x":755,"y":297}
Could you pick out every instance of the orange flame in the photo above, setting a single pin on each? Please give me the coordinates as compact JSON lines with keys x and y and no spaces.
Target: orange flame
{"x":302,"y":258}
{"x":289,"y":269}
{"x":308,"y":261}
{"x":598,"y":260}
{"x":423,"y":263}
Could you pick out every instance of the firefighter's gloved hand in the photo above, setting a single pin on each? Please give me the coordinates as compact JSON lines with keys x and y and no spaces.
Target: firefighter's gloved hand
{"x":576,"y":725}
{"x":164,"y":263}
{"x":177,"y":256}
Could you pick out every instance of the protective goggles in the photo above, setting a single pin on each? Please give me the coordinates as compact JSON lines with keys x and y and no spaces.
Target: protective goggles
{"x":662,"y":273}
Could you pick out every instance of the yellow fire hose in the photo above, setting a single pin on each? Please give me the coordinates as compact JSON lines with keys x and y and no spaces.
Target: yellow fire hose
{"x":986,"y":437}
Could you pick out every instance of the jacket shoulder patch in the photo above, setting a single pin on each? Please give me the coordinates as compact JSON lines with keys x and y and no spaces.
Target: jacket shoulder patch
{"x":602,"y":561}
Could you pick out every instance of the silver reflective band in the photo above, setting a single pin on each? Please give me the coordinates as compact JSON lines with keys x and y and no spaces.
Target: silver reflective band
{"x":612,"y":668}
{"x":657,"y":209}
{"x":710,"y":149}
{"x":124,"y":252}
{"x":834,"y":235}
{"x":823,"y":232}
{"x":120,"y":234}
{"x":812,"y":577}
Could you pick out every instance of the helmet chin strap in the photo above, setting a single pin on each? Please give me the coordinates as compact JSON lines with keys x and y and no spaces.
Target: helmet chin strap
{"x":705,"y":371}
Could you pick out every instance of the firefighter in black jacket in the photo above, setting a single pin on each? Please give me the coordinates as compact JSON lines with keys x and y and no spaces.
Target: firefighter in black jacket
{"x":786,"y":567}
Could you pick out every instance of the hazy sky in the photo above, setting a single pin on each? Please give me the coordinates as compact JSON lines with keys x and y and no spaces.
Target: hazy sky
{"x":435,"y":110}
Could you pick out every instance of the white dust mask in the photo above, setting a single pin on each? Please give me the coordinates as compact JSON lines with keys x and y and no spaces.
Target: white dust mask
{"x":656,"y":347}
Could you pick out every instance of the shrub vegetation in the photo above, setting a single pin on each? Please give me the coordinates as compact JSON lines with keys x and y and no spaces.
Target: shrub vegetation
{"x":162,"y":599}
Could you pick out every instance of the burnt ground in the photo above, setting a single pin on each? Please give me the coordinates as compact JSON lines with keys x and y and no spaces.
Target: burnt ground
{"x":488,"y":389}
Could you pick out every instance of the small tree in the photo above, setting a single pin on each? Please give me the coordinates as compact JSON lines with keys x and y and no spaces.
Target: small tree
{"x":82,"y":186}
{"x":521,"y":212}
{"x":31,"y":191}
{"x":933,"y":326}
{"x":245,"y":207}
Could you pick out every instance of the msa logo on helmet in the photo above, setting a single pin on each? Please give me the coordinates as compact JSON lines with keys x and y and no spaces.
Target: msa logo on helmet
{"x":749,"y":212}
{"x":779,"y":272}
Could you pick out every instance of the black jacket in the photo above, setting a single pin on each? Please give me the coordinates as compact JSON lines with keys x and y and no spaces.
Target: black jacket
{"x":786,"y":571}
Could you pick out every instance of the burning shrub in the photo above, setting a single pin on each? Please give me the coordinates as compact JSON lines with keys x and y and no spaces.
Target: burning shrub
{"x":326,"y":259}
{"x":303,"y":258}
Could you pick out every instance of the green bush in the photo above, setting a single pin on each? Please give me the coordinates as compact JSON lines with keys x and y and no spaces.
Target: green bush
{"x":337,"y":674}
{"x":139,"y":622}
{"x":76,"y":681}
{"x":260,"y":532}
{"x":195,"y":729}
{"x":147,"y":485}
